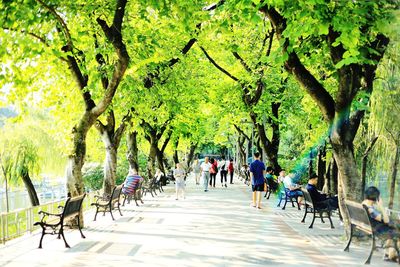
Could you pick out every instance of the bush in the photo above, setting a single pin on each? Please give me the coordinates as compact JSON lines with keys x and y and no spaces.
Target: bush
{"x":93,"y":176}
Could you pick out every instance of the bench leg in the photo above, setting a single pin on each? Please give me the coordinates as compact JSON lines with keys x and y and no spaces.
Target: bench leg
{"x":305,"y":214}
{"x":347,"y":248}
{"x":284,"y":206}
{"x":65,"y":241}
{"x":298,"y":204}
{"x":330,"y":220}
{"x":313,"y":219}
{"x":80,"y":228}
{"x":280,"y":200}
{"x":368,"y":261}
{"x":123,"y":202}
{"x":41,"y":238}
{"x":95,"y":215}
{"x":119,"y":209}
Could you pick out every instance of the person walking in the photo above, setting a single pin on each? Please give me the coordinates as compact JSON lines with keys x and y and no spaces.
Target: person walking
{"x":179,"y":174}
{"x":196,"y":171}
{"x":213,"y":171}
{"x":223,"y":166}
{"x":257,"y":173}
{"x":205,"y":170}
{"x":231,"y":170}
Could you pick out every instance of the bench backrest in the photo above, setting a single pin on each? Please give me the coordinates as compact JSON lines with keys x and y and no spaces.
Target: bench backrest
{"x":307,"y":197}
{"x":359,"y":216}
{"x":116,"y":193}
{"x":72,"y":206}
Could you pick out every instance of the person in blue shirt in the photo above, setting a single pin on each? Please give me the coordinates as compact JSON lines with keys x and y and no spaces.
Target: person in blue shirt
{"x":321,"y":200}
{"x":257,"y":174}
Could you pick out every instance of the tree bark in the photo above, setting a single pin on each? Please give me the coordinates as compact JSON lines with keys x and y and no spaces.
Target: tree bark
{"x":175,"y":156}
{"x":30,"y":188}
{"x":321,"y":166}
{"x":393,"y":176}
{"x":190,"y":156}
{"x":132,"y":153}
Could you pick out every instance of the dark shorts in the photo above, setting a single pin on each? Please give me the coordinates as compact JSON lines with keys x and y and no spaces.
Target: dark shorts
{"x":258,"y":187}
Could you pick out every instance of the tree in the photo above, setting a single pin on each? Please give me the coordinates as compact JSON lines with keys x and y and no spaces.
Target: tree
{"x":355,"y":45}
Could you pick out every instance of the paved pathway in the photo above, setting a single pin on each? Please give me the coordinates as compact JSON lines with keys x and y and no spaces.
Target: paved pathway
{"x":215,"y":228}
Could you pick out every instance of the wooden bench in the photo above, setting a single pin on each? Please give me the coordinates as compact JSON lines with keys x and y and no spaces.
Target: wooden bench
{"x":310,"y":207}
{"x":53,"y":224}
{"x":108,"y":203}
{"x":284,"y":195}
{"x":360,"y":220}
{"x":137,"y":195}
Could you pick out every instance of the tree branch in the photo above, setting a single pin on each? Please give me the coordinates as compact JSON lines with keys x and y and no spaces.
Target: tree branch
{"x":241,"y":132}
{"x":218,"y":66}
{"x":294,"y":66}
{"x":244,"y":64}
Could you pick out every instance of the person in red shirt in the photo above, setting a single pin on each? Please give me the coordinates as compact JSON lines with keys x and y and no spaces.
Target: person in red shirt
{"x":231,"y":170}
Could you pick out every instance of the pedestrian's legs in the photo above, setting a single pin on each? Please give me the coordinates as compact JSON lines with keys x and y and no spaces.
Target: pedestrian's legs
{"x":254,"y":198}
{"x":232,"y":177}
{"x":206,"y":177}
{"x":259,"y":199}
{"x":214,"y":178}
{"x":176,"y":191}
{"x":225,"y":174}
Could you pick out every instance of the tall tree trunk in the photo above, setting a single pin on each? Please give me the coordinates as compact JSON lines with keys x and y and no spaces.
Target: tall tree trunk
{"x":175,"y":156}
{"x":30,"y":188}
{"x":110,"y":169}
{"x":190,"y":156}
{"x":151,"y":164}
{"x":242,"y":151}
{"x":364,"y":164}
{"x":160,"y":160}
{"x":76,"y":160}
{"x":394,"y":175}
{"x":132,"y":154}
{"x":334,"y":182}
{"x":321,"y":166}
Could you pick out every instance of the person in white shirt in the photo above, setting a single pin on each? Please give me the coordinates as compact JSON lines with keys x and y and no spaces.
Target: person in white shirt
{"x":205,"y":170}
{"x":179,"y":175}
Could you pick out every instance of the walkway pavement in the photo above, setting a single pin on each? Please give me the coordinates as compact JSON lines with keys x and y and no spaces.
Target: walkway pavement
{"x":215,"y":228}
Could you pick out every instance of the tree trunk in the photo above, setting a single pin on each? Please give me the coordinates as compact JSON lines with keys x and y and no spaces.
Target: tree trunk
{"x":152,"y":160}
{"x":175,"y":156}
{"x":327,"y":180}
{"x":132,"y":153}
{"x":76,"y":160}
{"x":160,"y":160}
{"x":348,"y":175}
{"x":321,"y":166}
{"x":190,"y":156}
{"x":110,"y":169}
{"x":30,"y":188}
{"x":393,"y":176}
{"x":334,"y":181}
{"x":242,"y":152}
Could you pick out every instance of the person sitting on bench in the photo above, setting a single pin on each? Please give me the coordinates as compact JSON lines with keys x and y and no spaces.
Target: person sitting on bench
{"x":273,"y":185}
{"x":132,"y":182}
{"x":321,"y":200}
{"x":380,"y":222}
{"x":295,"y":190}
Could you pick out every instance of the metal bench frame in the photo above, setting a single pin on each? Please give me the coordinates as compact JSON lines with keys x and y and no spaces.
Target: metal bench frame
{"x":55,"y":222}
{"x":108,"y":203}
{"x":310,"y":207}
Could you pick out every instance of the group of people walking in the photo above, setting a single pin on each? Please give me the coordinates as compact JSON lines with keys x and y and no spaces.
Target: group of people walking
{"x":209,"y":170}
